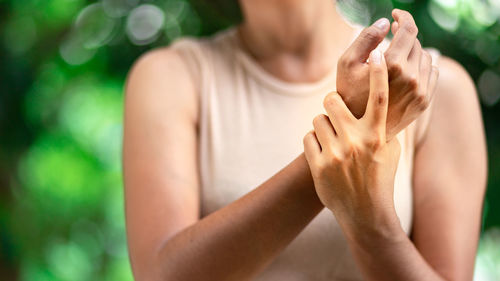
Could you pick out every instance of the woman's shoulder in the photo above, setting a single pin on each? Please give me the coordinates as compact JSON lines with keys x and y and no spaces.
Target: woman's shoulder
{"x":183,"y":51}
{"x":455,"y":103}
{"x":219,"y":42}
{"x":453,"y":77}
{"x":176,"y":74}
{"x":455,"y":91}
{"x":159,"y":81}
{"x":157,"y":65}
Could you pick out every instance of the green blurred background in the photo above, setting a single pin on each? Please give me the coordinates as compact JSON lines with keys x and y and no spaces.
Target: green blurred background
{"x":63,"y":64}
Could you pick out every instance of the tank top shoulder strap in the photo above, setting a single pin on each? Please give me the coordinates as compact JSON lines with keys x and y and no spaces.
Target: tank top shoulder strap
{"x":203,"y":55}
{"x":191,"y":52}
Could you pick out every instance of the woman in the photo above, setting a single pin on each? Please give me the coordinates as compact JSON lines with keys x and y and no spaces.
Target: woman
{"x":217,"y":185}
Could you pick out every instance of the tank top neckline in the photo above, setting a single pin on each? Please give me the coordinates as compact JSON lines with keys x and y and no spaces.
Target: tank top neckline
{"x":280,"y":86}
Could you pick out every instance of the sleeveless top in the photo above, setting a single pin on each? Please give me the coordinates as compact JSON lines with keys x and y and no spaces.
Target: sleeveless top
{"x":251,"y":125}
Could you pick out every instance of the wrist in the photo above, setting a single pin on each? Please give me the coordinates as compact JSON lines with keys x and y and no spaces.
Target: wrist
{"x":307,"y":186}
{"x":385,"y":230}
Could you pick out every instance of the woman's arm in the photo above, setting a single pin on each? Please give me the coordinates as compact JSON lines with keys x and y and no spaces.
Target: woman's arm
{"x":450,"y":177}
{"x":167,"y":239}
{"x":239,"y":240}
{"x":449,"y":185}
{"x":353,"y":165}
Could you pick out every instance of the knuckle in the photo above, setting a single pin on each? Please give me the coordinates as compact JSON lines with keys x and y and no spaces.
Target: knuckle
{"x":381,"y":97}
{"x":346,"y":61}
{"x":307,"y":137}
{"x":316,"y":168}
{"x":407,"y":14}
{"x":349,"y":151}
{"x":330,"y":100}
{"x":395,"y":68}
{"x":373,"y":143}
{"x":412,"y":83}
{"x":417,"y":43}
{"x":426,"y":56}
{"x":317,"y":120}
{"x":370,"y":34}
{"x":336,"y":159}
{"x":322,"y":169}
{"x":390,"y":57}
{"x":435,"y":69}
{"x":422,"y":101}
{"x":377,"y":69}
{"x":410,"y":27}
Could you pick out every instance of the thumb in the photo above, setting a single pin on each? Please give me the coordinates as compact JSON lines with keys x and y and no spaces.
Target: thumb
{"x":368,"y":40}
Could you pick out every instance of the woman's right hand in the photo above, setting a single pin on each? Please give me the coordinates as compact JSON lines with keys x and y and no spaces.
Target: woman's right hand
{"x":412,"y":78}
{"x":352,"y":163}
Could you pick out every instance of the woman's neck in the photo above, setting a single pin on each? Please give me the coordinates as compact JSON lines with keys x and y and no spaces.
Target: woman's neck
{"x":295,"y":40}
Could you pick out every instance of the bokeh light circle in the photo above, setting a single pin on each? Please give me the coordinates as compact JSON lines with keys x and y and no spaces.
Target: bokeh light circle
{"x":489,"y":87}
{"x":118,"y":8}
{"x":144,"y":23}
{"x":73,"y":52}
{"x":439,"y":12}
{"x":94,"y":27}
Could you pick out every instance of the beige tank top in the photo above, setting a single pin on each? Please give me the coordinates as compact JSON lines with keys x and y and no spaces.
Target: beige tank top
{"x":251,"y":125}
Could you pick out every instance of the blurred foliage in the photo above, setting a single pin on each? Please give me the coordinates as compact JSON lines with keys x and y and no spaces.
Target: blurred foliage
{"x":63,"y":65}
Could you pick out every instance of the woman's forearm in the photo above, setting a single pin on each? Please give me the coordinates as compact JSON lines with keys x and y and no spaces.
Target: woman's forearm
{"x":238,"y":240}
{"x":389,"y":256}
{"x":353,"y":166}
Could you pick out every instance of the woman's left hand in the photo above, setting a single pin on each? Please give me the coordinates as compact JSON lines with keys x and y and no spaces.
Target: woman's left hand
{"x":352,"y":163}
{"x":412,"y":77}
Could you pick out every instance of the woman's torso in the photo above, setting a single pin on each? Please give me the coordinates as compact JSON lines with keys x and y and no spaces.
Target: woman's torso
{"x":251,"y":125}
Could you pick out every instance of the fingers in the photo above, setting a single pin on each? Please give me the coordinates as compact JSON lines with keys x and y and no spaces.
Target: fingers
{"x":415,"y":54}
{"x":405,"y":34}
{"x":339,"y":113}
{"x":425,"y":71}
{"x":324,"y":132}
{"x":429,"y":75}
{"x":432,"y":82}
{"x":311,"y":146}
{"x":367,"y":40}
{"x":413,"y":68}
{"x":378,"y":99}
{"x":394,"y":27}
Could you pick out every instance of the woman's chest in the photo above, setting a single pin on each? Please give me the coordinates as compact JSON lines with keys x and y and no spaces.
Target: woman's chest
{"x":245,"y":138}
{"x":248,"y":135}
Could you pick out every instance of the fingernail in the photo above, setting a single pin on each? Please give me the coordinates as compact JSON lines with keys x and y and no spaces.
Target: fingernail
{"x":376,"y":56}
{"x":382,"y":23}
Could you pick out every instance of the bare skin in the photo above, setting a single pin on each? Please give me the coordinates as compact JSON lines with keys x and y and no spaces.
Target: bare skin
{"x":410,"y":73}
{"x":168,"y":240}
{"x":353,"y":165}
